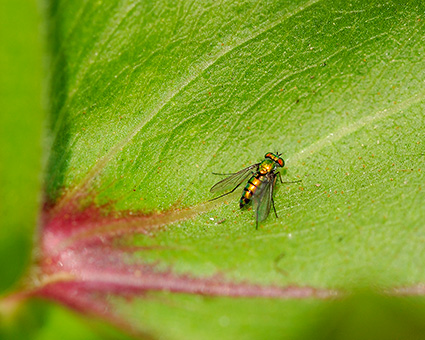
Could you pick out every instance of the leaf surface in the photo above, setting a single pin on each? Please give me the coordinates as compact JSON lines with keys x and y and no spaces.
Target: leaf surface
{"x":149,"y":98}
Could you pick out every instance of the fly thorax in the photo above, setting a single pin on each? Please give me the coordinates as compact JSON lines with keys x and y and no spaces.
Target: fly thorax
{"x":266,"y":166}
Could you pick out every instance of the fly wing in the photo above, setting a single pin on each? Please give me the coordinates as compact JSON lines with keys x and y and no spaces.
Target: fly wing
{"x":263,"y":197}
{"x":234,"y":180}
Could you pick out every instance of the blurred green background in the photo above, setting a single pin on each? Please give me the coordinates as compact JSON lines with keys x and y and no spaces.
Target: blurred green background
{"x":22,"y":119}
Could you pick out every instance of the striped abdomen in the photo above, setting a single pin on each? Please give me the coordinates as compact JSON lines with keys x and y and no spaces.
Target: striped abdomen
{"x":253,"y":184}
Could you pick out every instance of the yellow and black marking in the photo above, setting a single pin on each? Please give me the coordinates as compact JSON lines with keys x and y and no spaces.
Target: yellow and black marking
{"x":252,"y":186}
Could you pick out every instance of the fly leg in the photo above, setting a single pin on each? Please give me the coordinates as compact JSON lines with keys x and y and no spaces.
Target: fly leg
{"x":274,"y":208}
{"x":281,"y":181}
{"x":227,"y":193}
{"x":271,"y":193}
{"x":280,"y":177}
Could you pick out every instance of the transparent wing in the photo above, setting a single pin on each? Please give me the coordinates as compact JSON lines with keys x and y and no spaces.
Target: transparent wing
{"x":234,"y":180}
{"x":263,"y":197}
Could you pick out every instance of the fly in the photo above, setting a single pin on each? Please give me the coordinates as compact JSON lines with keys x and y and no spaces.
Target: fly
{"x":259,"y":189}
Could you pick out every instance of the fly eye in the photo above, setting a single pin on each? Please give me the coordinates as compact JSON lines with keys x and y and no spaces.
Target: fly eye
{"x":281,"y":162}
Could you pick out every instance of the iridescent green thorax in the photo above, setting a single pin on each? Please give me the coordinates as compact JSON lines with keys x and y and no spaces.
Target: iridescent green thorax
{"x":266,"y":166}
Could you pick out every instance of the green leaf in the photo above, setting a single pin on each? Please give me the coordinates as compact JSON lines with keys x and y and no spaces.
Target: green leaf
{"x":45,"y":321}
{"x":20,"y":136}
{"x":156,"y":97}
{"x":369,"y":316}
{"x":147,"y":99}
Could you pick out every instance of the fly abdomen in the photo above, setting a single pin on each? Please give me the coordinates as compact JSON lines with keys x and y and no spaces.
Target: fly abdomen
{"x":250,"y":189}
{"x":246,"y":196}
